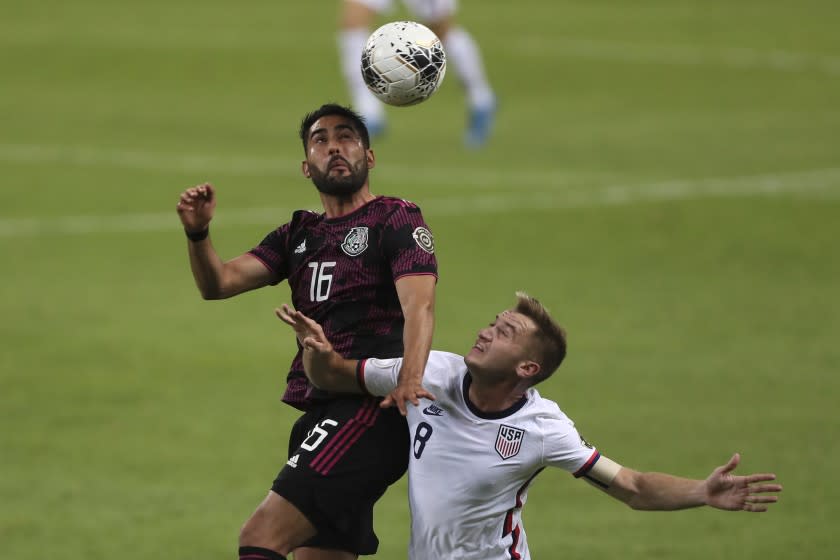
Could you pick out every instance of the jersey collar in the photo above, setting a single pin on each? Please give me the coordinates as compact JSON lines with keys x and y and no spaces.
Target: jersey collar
{"x":488,"y":415}
{"x":350,"y":215}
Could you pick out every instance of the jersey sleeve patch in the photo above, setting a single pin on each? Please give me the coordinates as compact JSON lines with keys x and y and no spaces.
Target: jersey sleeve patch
{"x":424,"y":238}
{"x":408,"y":243}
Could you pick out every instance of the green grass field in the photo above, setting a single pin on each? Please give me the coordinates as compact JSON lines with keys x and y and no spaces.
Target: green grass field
{"x":665,"y":176}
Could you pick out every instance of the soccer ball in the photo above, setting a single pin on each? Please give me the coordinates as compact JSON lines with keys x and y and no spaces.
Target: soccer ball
{"x":403,"y":63}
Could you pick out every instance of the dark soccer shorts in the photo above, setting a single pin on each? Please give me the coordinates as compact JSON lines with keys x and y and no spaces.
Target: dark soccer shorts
{"x":343,"y":454}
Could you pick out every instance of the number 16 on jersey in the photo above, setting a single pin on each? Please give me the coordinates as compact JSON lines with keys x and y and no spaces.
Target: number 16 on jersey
{"x":319,"y":286}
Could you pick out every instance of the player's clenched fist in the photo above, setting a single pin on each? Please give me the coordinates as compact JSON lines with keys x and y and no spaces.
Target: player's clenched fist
{"x":196,"y":207}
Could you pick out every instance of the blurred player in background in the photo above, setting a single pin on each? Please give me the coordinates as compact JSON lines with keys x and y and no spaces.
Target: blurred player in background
{"x":462,"y":51}
{"x":478,"y":447}
{"x":366,"y":269}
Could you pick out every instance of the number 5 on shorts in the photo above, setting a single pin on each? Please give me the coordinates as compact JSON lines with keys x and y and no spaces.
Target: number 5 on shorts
{"x":319,"y":433}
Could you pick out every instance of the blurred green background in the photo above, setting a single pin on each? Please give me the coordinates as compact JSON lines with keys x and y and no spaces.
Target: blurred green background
{"x":664,"y":175}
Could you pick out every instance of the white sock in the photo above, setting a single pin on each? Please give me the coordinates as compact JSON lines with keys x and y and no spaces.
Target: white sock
{"x":462,"y":51}
{"x":351,"y":42}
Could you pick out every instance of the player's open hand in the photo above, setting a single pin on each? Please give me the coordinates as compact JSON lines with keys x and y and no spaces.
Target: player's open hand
{"x":309,"y":333}
{"x":725,"y":490}
{"x":408,"y":390}
{"x":196,"y":207}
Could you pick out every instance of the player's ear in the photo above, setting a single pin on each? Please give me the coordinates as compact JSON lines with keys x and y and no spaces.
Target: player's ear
{"x":371,"y":159}
{"x":527,"y":369}
{"x":304,"y":167}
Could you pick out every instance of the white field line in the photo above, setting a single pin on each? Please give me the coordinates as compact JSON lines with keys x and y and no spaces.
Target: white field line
{"x":817,"y":183}
{"x":138,"y":37}
{"x":204,"y":166}
{"x":90,"y":156}
{"x":680,"y":55}
{"x":546,"y":46}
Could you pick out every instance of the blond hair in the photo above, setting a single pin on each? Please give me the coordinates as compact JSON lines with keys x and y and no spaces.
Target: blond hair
{"x":549,"y":338}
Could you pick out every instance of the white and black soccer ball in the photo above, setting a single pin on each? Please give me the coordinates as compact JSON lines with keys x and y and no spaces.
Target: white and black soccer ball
{"x":403,"y":63}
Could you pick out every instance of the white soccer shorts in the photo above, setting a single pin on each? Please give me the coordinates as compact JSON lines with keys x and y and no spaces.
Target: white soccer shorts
{"x":425,"y":10}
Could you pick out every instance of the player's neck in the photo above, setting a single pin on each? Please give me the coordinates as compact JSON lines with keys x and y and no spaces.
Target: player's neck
{"x":494,"y":397}
{"x":338,"y":206}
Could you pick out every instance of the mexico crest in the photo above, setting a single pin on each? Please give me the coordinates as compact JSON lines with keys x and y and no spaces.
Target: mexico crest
{"x":509,"y":441}
{"x":356,"y":241}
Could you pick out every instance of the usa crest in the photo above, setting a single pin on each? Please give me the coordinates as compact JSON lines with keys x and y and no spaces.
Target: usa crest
{"x":509,"y":441}
{"x":356,"y":241}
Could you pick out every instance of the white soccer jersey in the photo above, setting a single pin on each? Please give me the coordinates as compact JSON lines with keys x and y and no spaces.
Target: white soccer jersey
{"x":469,"y":472}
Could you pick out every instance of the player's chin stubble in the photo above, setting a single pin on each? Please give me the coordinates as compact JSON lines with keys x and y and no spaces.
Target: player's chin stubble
{"x":340,"y":185}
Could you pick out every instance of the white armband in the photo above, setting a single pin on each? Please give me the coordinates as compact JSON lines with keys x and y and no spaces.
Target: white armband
{"x":603,"y":472}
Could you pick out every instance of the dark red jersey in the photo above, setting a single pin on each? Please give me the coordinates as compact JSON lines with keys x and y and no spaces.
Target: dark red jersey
{"x":342,"y":272}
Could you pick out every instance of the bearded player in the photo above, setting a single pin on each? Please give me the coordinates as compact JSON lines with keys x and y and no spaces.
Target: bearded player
{"x":365,"y":269}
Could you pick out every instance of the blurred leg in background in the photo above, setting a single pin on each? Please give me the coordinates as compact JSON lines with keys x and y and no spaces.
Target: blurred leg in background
{"x":356,"y":25}
{"x":462,"y":51}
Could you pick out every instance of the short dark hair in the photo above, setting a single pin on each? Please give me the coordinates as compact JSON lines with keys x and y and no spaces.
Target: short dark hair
{"x":329,"y":109}
{"x":550,"y":337}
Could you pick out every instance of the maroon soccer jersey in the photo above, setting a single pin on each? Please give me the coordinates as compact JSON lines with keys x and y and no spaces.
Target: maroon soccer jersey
{"x":342,"y":273}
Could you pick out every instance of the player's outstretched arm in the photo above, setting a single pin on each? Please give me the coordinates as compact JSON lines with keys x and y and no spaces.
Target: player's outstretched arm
{"x":324,"y":367}
{"x":215,"y":279}
{"x":417,"y":299}
{"x":722,"y":490}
